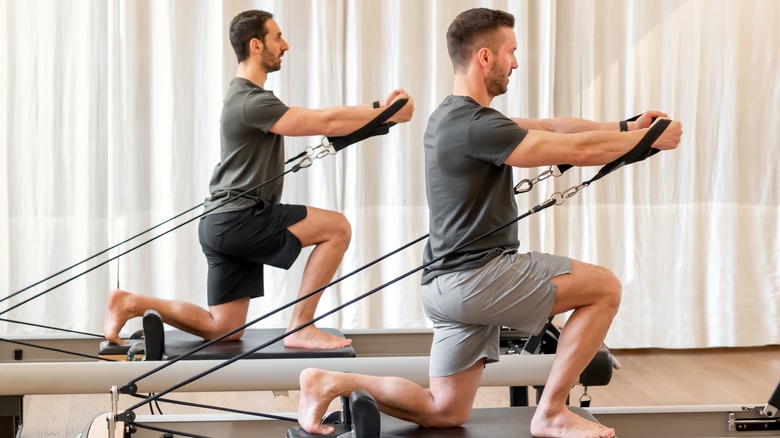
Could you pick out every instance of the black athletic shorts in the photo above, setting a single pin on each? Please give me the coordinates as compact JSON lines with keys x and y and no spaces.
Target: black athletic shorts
{"x":238,"y":243}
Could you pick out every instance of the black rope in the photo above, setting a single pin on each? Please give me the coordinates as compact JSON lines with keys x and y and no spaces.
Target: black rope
{"x":98,"y":254}
{"x":94,"y":335}
{"x":43,"y":347}
{"x":219,"y":408}
{"x":221,"y":204}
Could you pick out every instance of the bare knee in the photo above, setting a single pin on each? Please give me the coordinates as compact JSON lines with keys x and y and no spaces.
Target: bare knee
{"x":222,"y":328}
{"x":235,"y":336}
{"x":342,"y":232}
{"x":448,"y":417}
{"x":612,"y":290}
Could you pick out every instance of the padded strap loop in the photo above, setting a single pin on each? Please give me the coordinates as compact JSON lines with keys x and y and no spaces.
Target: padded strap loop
{"x":377,"y":126}
{"x":641,"y":151}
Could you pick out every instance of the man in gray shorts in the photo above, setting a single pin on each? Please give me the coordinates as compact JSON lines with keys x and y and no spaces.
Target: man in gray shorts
{"x":470,"y":150}
{"x":241,"y":236}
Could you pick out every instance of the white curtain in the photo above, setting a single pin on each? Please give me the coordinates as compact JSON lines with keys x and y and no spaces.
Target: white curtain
{"x":109,"y":124}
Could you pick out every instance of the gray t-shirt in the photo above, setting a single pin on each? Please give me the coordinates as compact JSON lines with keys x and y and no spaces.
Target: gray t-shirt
{"x":469,"y":188}
{"x":250,"y":154}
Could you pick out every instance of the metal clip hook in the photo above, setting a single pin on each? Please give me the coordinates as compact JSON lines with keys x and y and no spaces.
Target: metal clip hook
{"x":527,"y":184}
{"x":524,"y":186}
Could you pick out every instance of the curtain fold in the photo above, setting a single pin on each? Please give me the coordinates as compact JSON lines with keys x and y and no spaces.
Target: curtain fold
{"x":110,"y":125}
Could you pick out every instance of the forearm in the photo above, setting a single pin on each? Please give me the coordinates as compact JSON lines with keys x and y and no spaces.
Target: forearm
{"x":342,"y":120}
{"x":598,"y":147}
{"x":331,"y":122}
{"x":566,"y":125}
{"x":588,"y":148}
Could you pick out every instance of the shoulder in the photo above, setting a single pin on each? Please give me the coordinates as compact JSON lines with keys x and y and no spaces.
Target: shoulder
{"x":244,"y":91}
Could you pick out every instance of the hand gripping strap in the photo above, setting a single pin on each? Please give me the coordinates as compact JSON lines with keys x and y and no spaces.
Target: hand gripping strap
{"x":641,"y":151}
{"x":564,"y":167}
{"x":377,"y":126}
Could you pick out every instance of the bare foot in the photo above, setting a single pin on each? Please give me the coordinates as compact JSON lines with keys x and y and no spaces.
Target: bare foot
{"x":566,"y":424}
{"x":313,"y":338}
{"x":317,"y":391}
{"x":117,"y":314}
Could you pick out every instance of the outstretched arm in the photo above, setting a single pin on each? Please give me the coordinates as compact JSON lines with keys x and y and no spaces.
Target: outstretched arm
{"x":588,"y":147}
{"x":569,"y":125}
{"x":338,"y":120}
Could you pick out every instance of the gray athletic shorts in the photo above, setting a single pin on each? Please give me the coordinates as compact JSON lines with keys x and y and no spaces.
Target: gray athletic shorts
{"x":238,"y":243}
{"x":468,"y":308}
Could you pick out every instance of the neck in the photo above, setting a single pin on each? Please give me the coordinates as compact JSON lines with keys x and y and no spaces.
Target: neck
{"x":469,"y":84}
{"x":252,"y":72}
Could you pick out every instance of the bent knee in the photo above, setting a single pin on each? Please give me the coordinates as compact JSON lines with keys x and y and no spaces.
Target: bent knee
{"x":342,"y":230}
{"x":219,"y":331}
{"x":612,"y":289}
{"x":235,"y":336}
{"x":447,"y":418}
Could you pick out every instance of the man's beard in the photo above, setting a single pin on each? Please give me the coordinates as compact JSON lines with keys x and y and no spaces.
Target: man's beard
{"x":271,"y":63}
{"x":496,"y":85}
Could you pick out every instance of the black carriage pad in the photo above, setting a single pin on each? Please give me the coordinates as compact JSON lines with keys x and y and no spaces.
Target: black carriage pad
{"x":178,"y":342}
{"x":483,"y":423}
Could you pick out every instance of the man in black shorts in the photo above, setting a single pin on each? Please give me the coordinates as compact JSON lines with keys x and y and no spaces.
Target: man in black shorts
{"x":470,"y":150}
{"x":240,"y":237}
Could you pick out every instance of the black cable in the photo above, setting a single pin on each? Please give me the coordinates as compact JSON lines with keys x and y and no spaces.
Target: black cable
{"x":97,"y":254}
{"x":226,"y":201}
{"x":218,"y":408}
{"x":43,"y":347}
{"x":94,"y":335}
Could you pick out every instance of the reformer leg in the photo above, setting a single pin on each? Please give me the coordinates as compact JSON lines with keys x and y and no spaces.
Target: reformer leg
{"x":359,"y":418}
{"x":770,"y":410}
{"x":11,"y":408}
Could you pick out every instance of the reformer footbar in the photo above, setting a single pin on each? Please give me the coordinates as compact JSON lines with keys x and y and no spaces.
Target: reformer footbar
{"x":642,"y":150}
{"x":376,"y":126}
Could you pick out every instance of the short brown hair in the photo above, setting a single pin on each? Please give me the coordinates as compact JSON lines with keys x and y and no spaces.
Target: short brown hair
{"x":244,"y":27}
{"x":472,"y":30}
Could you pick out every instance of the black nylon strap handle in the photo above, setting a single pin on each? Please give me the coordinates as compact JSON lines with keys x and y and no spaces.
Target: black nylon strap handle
{"x":641,"y":151}
{"x":377,"y":126}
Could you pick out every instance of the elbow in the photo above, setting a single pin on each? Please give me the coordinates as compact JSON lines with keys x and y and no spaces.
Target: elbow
{"x":585,"y":156}
{"x":332,"y":125}
{"x":332,"y":128}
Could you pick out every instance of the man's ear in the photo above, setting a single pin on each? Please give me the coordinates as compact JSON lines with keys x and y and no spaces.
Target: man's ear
{"x":255,"y":45}
{"x":484,"y":55}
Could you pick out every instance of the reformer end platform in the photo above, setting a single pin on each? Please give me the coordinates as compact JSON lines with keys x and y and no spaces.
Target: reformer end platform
{"x":513,"y":422}
{"x":177,"y":343}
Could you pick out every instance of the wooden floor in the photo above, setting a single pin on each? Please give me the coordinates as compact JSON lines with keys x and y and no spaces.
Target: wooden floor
{"x":646,"y":378}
